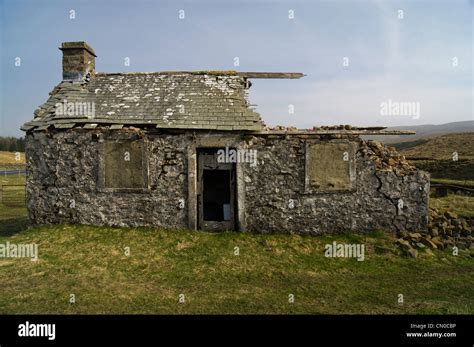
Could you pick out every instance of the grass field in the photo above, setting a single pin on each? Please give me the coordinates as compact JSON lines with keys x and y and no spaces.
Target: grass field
{"x":461,"y":205}
{"x":7,"y":212}
{"x":12,"y":179}
{"x":90,"y":262}
{"x":452,"y":157}
{"x":10,"y":158}
{"x":465,"y":183}
{"x":441,"y":147}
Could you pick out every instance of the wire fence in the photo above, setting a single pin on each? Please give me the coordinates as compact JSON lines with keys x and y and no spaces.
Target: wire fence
{"x":8,"y":170}
{"x":13,"y":195}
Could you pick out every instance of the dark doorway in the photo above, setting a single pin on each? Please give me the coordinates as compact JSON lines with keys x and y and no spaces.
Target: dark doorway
{"x":216,"y":192}
{"x":216,"y":195}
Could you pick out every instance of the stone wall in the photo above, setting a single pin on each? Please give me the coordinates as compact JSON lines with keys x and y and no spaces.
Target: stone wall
{"x":393,"y":198}
{"x":63,"y":176}
{"x":63,"y":186}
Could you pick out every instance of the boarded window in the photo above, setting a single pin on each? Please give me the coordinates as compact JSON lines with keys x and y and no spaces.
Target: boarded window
{"x":330,"y":166}
{"x":124,"y":165}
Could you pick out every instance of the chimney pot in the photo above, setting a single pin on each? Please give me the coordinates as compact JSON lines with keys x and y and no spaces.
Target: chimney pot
{"x":78,"y":60}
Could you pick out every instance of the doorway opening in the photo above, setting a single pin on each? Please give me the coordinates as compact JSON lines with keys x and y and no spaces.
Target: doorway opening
{"x":216,"y":192}
{"x":216,"y":195}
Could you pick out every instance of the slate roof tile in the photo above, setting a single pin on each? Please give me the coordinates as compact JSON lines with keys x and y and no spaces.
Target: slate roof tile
{"x":183,"y":100}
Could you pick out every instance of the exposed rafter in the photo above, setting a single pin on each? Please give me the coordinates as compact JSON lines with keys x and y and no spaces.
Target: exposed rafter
{"x":290,"y":75}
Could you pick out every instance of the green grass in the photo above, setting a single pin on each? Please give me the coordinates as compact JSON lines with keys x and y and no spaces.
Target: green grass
{"x":463,"y":206}
{"x":11,"y":212}
{"x":465,"y":183}
{"x":90,"y":262}
{"x":12,"y":179}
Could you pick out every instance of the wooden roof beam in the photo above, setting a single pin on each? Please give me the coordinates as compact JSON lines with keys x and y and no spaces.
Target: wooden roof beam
{"x":289,"y":75}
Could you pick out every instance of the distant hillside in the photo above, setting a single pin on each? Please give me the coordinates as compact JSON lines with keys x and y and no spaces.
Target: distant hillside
{"x":425,"y":131}
{"x":440,"y":147}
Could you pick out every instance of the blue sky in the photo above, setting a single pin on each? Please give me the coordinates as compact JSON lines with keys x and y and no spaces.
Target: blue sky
{"x":403,"y":60}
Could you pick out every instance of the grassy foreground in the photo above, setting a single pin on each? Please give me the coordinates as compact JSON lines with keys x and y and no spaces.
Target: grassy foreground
{"x":461,"y":205}
{"x":90,"y":262}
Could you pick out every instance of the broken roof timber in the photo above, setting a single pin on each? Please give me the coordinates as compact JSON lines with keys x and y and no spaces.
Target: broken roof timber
{"x":335,"y":132}
{"x":245,"y":74}
{"x":290,"y":75}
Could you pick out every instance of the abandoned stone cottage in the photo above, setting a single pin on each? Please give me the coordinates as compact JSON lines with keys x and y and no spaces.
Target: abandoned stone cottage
{"x":185,"y":150}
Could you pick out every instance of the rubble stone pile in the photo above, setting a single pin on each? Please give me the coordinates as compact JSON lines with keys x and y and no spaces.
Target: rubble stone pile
{"x":386,"y":158}
{"x":280,"y":128}
{"x":315,"y":128}
{"x":444,"y":230}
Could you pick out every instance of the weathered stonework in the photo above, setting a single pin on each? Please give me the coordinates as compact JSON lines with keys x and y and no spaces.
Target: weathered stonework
{"x":132,"y":149}
{"x":276,"y":199}
{"x":64,"y":169}
{"x":78,"y":60}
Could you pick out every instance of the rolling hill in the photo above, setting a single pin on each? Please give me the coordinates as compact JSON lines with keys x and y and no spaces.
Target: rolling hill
{"x":425,"y":131}
{"x":440,"y":147}
{"x":438,"y":155}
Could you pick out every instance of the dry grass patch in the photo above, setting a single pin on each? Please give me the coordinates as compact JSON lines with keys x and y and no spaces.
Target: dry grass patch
{"x":90,"y":262}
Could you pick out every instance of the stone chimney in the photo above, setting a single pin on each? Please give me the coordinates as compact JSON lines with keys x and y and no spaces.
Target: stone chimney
{"x":78,"y":60}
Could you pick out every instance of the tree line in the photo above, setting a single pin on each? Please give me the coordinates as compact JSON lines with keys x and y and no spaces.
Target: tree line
{"x":12,"y":144}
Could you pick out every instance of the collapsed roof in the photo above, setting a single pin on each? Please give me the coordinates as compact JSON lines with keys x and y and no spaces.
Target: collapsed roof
{"x":178,"y":100}
{"x":192,"y":100}
{"x":209,"y":100}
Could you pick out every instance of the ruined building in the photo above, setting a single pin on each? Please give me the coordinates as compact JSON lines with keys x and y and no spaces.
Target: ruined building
{"x":184,"y":150}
